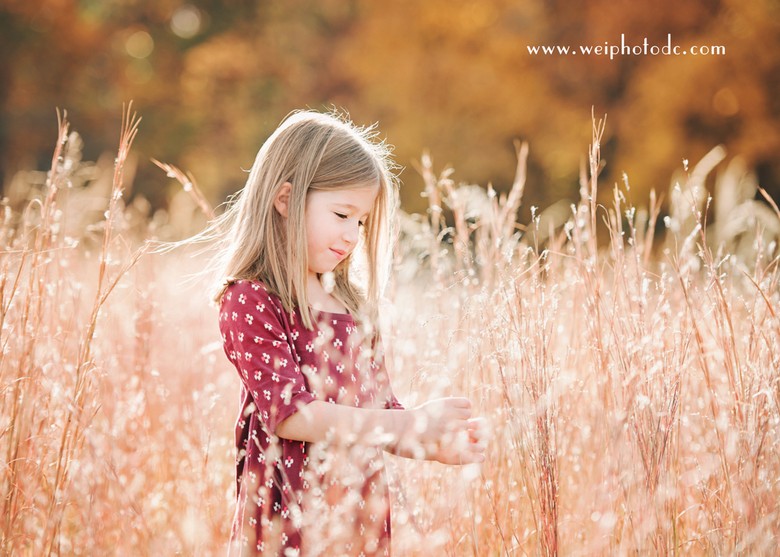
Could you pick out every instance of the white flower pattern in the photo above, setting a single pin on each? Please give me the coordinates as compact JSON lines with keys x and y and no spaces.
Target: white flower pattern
{"x":269,"y":363}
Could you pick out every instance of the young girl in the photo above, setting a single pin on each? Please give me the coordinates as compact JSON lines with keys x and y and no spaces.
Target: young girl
{"x":317,"y":409}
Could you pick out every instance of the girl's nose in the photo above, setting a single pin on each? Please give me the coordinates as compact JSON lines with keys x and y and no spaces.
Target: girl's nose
{"x":352,"y":233}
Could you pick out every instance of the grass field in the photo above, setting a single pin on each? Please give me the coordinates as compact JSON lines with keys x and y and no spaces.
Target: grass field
{"x":630,"y":378}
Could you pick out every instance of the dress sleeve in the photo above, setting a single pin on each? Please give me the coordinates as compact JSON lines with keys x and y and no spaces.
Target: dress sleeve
{"x":382,"y":378}
{"x":256,"y":343}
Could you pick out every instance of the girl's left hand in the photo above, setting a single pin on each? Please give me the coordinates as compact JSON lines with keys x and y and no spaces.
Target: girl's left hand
{"x":463,"y":447}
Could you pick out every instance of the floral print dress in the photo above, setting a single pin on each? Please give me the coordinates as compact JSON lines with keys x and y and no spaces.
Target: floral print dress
{"x":296,"y":498}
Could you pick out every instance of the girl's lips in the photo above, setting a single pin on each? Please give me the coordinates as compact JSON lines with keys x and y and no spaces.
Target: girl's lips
{"x":340,"y":254}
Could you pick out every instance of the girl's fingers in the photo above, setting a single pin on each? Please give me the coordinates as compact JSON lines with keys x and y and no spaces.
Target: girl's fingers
{"x":460,"y":402}
{"x":460,"y":407}
{"x":461,"y":427}
{"x":478,"y":448}
{"x":456,"y":451}
{"x":478,"y":429}
{"x":465,"y":442}
{"x":471,"y":457}
{"x":478,"y":435}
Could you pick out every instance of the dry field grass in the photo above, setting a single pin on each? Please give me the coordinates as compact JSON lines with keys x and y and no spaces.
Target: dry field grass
{"x":631,"y":383}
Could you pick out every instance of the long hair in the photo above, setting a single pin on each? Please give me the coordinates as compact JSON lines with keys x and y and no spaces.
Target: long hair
{"x":311,"y":151}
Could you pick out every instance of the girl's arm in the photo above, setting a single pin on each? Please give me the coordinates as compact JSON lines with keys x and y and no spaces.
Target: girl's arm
{"x":256,"y":342}
{"x":437,"y":430}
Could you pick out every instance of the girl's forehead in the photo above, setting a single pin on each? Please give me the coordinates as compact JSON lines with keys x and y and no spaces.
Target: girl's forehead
{"x":358,"y":197}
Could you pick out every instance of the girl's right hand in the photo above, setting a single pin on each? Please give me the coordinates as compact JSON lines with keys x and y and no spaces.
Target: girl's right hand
{"x":445,"y":431}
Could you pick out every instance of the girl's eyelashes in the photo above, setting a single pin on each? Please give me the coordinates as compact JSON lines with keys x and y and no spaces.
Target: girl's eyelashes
{"x":344,"y":216}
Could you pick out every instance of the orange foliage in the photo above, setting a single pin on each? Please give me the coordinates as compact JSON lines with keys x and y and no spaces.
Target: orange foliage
{"x":214,"y":78}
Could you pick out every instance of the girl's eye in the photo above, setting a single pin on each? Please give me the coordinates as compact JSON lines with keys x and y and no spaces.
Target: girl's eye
{"x":341,"y":215}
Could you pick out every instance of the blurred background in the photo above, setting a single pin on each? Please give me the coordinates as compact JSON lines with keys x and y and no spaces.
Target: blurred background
{"x":212,"y":79}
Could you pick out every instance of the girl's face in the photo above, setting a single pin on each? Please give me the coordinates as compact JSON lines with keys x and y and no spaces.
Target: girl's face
{"x":333,"y":221}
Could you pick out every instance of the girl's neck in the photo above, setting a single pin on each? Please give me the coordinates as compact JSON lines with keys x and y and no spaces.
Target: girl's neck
{"x":320,"y":299}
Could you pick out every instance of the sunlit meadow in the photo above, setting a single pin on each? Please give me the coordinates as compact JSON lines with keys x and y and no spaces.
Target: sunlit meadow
{"x":626,"y":360}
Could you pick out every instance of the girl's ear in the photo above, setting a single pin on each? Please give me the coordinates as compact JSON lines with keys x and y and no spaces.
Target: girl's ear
{"x":282,"y":199}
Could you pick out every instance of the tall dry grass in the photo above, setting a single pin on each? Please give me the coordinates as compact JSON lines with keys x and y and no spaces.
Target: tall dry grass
{"x":632,"y":386}
{"x":107,"y":379}
{"x":631,"y":381}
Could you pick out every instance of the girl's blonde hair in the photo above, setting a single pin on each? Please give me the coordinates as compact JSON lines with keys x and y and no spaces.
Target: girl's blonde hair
{"x":311,"y":151}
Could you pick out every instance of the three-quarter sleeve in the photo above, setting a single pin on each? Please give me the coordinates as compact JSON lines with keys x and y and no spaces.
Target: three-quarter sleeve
{"x":256,"y":342}
{"x":379,"y":372}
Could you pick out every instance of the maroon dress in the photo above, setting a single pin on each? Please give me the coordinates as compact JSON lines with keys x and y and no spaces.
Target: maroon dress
{"x":297,"y":498}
